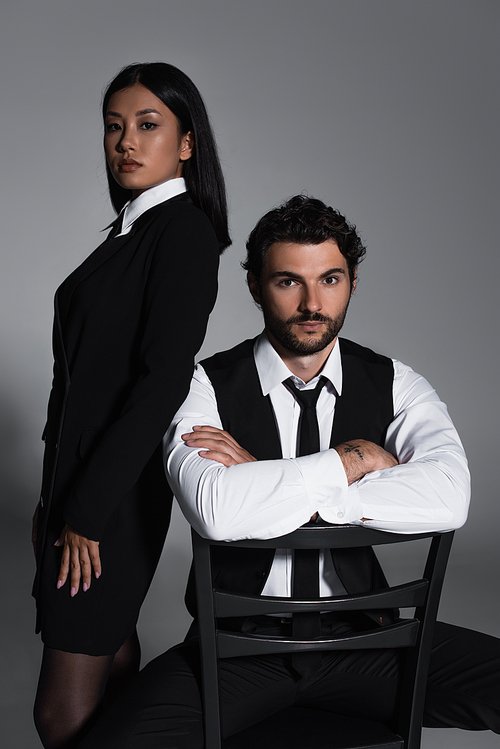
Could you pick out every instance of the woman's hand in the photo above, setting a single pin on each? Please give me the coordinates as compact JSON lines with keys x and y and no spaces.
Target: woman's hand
{"x":34,"y":528}
{"x":81,"y":555}
{"x":217,"y":445}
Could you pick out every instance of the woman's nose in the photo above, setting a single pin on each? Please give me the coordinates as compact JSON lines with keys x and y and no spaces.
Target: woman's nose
{"x":127,"y":142}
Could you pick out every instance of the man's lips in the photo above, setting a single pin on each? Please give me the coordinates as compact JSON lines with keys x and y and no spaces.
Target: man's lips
{"x":310,"y":325}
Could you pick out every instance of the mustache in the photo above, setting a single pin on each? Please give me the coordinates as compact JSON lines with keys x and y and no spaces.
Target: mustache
{"x":308,"y":317}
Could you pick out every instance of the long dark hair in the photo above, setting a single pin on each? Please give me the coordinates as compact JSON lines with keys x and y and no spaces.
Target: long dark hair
{"x":202,"y":172}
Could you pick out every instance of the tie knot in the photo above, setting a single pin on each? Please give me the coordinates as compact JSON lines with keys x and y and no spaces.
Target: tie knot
{"x":306,"y":398}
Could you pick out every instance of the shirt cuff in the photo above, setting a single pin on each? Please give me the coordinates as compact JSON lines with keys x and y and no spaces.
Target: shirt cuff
{"x":326,"y":485}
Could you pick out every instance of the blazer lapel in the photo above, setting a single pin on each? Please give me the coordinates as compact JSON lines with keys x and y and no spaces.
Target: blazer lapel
{"x":111,"y":245}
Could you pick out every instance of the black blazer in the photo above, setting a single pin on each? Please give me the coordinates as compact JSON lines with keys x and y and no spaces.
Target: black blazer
{"x":128,"y":324}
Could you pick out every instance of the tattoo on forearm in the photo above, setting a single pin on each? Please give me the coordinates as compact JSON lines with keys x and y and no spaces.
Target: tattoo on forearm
{"x":349,"y":448}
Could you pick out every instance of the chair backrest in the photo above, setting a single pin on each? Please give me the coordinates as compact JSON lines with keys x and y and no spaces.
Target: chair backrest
{"x":413,"y":633}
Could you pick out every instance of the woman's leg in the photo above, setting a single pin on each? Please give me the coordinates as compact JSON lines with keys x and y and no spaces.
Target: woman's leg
{"x":70,"y":689}
{"x":73,"y":685}
{"x":126,"y":664}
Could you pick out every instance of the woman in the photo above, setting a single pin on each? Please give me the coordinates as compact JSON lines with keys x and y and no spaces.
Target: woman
{"x":128,"y":323}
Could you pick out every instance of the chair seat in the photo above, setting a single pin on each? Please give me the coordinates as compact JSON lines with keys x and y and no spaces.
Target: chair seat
{"x":303,"y":728}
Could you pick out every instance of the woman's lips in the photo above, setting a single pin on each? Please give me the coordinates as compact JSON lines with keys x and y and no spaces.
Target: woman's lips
{"x":128,"y":166}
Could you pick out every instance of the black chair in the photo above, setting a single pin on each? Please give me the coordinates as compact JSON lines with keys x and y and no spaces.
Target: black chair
{"x":303,"y":728}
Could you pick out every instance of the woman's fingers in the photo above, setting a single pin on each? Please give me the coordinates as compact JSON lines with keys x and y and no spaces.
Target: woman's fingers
{"x":95,"y":558}
{"x":64,"y":567}
{"x":76,"y":561}
{"x":79,"y":557}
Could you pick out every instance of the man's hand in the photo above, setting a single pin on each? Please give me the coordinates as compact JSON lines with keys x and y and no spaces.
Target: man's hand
{"x":80,"y":554}
{"x":360,"y":457}
{"x":217,"y":445}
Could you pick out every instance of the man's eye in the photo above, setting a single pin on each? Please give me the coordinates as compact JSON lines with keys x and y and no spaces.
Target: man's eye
{"x":330,"y":280}
{"x":287,"y":282}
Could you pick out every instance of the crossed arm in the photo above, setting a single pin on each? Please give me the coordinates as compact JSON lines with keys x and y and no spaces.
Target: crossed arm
{"x":358,"y":457}
{"x":418,"y":483}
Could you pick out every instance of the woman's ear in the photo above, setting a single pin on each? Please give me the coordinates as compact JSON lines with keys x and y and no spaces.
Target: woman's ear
{"x":187,"y":146}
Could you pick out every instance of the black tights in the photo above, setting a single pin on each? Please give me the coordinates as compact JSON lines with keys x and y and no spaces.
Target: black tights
{"x":73,"y":686}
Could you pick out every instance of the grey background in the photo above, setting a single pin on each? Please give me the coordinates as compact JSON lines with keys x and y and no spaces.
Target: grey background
{"x":387,"y":109}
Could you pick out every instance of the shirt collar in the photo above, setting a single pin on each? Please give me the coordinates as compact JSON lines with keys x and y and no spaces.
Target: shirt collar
{"x":272,"y":370}
{"x":146,"y":200}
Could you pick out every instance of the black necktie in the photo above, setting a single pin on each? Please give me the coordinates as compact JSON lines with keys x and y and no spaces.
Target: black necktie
{"x":305,"y":581}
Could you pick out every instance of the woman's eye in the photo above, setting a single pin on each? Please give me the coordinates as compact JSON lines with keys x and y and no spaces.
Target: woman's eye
{"x":148,"y":125}
{"x":112,"y":127}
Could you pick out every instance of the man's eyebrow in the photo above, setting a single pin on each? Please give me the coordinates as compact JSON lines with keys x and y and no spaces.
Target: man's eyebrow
{"x":137,"y":114}
{"x":289,"y":274}
{"x":332,"y":272}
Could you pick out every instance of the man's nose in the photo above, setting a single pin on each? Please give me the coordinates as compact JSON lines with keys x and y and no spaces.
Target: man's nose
{"x":311,"y":299}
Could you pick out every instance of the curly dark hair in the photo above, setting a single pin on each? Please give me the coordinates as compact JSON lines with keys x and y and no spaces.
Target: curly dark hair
{"x":303,"y":220}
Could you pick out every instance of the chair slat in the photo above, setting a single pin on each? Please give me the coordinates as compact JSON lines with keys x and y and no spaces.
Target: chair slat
{"x":228,"y":603}
{"x":337,"y":732}
{"x":400,"y":635}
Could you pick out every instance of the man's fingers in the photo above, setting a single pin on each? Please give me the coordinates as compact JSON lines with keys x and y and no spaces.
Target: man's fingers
{"x":224,"y":458}
{"x":214,"y":432}
{"x":201,"y":441}
{"x":208,"y":435}
{"x":217,"y":445}
{"x":212,"y":443}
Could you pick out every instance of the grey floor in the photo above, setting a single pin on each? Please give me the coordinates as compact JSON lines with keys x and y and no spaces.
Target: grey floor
{"x":162,"y":624}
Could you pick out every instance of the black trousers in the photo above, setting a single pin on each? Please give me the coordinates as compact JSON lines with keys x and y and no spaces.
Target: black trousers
{"x":162,"y":708}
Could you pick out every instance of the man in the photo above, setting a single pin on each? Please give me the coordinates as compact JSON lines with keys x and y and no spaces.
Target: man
{"x":384,"y":454}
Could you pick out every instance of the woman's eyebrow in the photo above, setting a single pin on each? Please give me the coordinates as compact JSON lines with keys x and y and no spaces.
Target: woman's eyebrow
{"x":109,"y":113}
{"x":147,"y":111}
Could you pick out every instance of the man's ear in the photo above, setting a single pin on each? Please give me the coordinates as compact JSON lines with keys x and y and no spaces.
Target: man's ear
{"x":354,"y":282}
{"x":254,"y":286}
{"x":187,"y":146}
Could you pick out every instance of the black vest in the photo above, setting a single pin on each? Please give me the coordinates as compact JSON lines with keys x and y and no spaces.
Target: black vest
{"x":363,"y":411}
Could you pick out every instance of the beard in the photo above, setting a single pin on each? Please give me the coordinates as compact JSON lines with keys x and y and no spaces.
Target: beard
{"x":281,"y":330}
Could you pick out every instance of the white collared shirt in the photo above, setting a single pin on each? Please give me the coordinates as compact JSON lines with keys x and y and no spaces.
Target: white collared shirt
{"x":148,"y":199}
{"x":428,"y":491}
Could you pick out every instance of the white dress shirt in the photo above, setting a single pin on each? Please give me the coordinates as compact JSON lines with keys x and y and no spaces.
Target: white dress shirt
{"x":428,"y":491}
{"x":146,"y":200}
